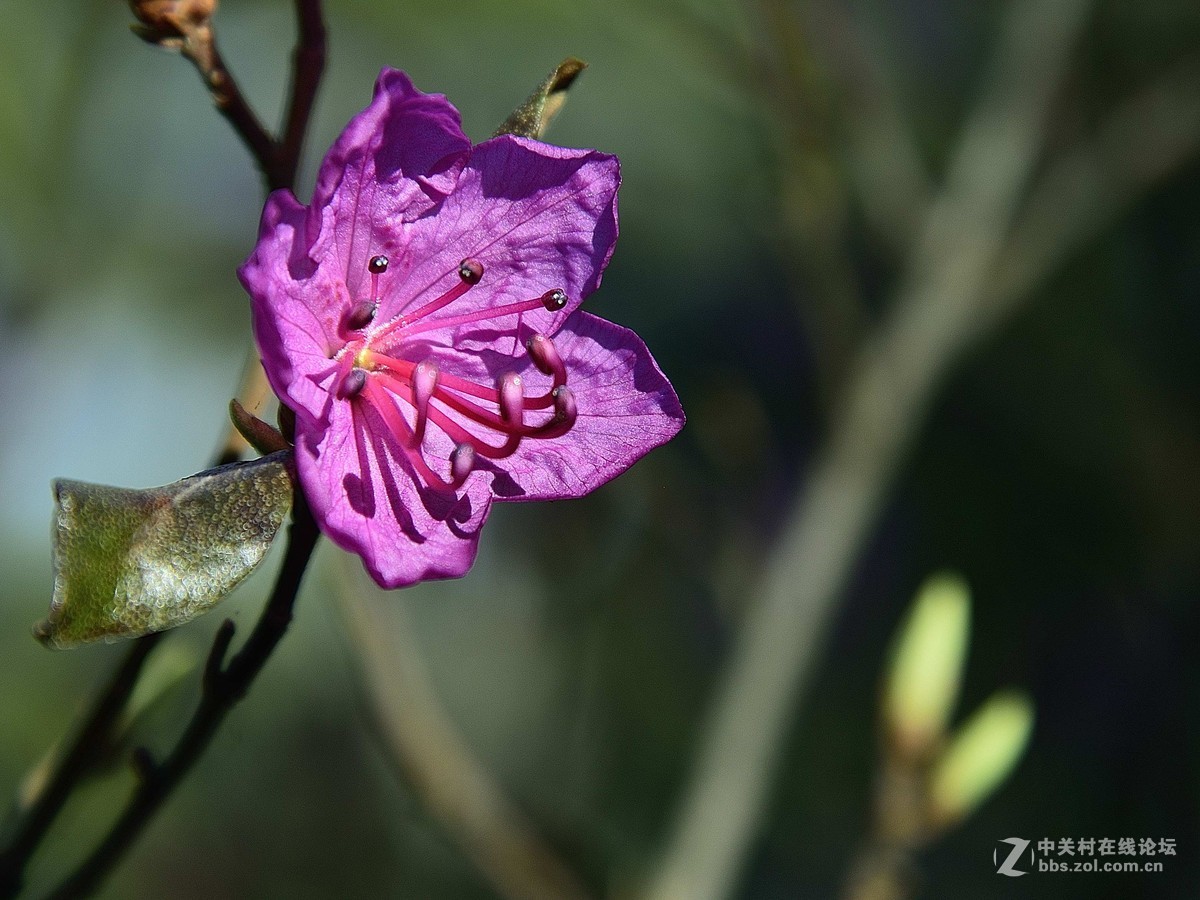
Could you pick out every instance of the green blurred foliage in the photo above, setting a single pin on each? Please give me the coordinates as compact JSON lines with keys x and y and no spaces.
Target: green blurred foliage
{"x":1058,"y":471}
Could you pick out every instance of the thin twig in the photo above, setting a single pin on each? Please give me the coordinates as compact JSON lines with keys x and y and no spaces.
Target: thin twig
{"x":308,"y":63}
{"x":223,"y":686}
{"x":278,"y":160}
{"x":200,"y":46}
{"x":418,"y":738}
{"x":892,"y":384}
{"x":77,"y":761}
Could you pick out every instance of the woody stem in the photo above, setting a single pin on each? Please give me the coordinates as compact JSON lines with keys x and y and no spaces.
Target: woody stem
{"x":278,"y":160}
{"x":223,"y":686}
{"x":77,"y":761}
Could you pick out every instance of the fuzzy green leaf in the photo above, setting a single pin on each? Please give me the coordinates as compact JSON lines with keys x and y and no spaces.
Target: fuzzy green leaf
{"x":129,"y":562}
{"x":532,"y":118}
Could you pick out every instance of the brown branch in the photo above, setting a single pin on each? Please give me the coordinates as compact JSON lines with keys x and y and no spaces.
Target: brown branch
{"x":189,"y":29}
{"x":223,"y":686}
{"x":95,"y":734}
{"x":193,"y":36}
{"x":200,"y":46}
{"x":308,"y":63}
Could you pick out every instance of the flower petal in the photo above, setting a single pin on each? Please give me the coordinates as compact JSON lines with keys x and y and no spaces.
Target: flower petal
{"x":402,"y":181}
{"x":362,"y":490}
{"x":394,"y":161}
{"x":626,"y":408}
{"x":294,"y":310}
{"x":537,"y":217}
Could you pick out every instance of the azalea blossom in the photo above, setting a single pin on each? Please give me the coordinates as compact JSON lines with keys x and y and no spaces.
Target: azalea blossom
{"x":421,"y":317}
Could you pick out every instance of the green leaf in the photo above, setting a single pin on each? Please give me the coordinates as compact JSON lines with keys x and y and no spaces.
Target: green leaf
{"x":532,"y":118}
{"x":129,"y":562}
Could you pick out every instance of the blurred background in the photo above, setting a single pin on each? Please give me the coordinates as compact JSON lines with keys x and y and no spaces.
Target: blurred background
{"x":925,"y":275}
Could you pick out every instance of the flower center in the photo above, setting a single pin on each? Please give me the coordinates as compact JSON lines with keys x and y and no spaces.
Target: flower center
{"x":409,"y":396}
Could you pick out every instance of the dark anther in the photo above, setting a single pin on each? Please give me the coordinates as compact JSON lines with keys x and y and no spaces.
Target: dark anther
{"x":545,"y":356}
{"x":353,"y":384}
{"x":470,"y":270}
{"x":565,"y":408}
{"x":554,"y":300}
{"x":511,"y":396}
{"x":462,"y":461}
{"x":378,"y":265}
{"x":361,"y":314}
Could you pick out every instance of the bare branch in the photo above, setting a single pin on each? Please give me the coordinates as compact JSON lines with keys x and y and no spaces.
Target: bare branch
{"x":222,"y":689}
{"x":423,"y":745}
{"x":74,"y":765}
{"x":892,"y":383}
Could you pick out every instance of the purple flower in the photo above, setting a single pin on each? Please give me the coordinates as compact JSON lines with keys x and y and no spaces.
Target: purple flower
{"x":421,"y":318}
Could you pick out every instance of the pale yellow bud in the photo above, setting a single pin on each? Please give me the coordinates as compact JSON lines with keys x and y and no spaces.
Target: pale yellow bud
{"x":925,"y":675}
{"x":980,"y":757}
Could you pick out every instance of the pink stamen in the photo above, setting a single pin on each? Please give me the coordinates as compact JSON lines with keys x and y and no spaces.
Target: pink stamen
{"x":462,"y":462}
{"x":385,"y":381}
{"x":403,"y":390}
{"x":477,"y":413}
{"x":512,"y":399}
{"x":470,"y":272}
{"x":566,"y":411}
{"x":424,"y":384}
{"x":400,"y":376}
{"x":545,"y":356}
{"x":384,"y":388}
{"x":434,"y":305}
{"x":377,"y":265}
{"x":547,"y":361}
{"x":381,"y":402}
{"x":511,"y":309}
{"x":378,"y":395}
{"x":445,"y":379}
{"x":460,"y":435}
{"x":401,"y":368}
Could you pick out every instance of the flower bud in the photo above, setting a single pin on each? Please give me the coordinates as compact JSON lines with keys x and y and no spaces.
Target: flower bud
{"x":925,"y":675}
{"x":980,"y":757}
{"x":167,"y":22}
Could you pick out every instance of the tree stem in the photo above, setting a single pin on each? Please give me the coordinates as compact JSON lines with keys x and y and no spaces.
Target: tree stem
{"x":223,"y":686}
{"x":94,"y":734}
{"x":278,"y":159}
